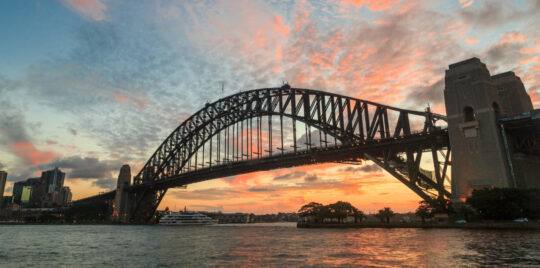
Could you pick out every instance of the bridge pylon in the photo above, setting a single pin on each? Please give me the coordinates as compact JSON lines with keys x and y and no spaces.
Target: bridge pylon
{"x":475,"y":101}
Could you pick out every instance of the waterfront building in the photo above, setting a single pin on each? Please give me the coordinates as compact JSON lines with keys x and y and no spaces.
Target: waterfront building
{"x":3,"y":178}
{"x":5,"y":201}
{"x":65,"y":196}
{"x":54,"y":179}
{"x":234,"y":218}
{"x":35,"y":194}
{"x":17,"y":191}
{"x":39,"y":196}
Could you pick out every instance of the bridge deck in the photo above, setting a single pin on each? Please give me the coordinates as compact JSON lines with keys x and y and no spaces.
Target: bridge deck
{"x":351,"y":152}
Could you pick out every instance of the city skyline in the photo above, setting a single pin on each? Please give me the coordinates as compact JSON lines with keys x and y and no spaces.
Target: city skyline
{"x":103,"y":83}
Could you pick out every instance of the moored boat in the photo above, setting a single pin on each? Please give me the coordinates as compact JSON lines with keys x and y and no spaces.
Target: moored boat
{"x":186,"y":218}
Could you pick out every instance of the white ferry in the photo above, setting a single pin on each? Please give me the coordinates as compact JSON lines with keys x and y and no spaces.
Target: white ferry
{"x":186,"y":218}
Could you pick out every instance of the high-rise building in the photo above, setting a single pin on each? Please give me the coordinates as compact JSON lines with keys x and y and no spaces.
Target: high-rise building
{"x":36,"y":189}
{"x":39,"y":195}
{"x":17,"y":191}
{"x":65,"y":196}
{"x":54,"y":179}
{"x":25,"y":195}
{"x":3,"y":178}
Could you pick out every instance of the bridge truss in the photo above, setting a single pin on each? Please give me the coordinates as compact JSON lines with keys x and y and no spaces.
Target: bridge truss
{"x":282,"y":127}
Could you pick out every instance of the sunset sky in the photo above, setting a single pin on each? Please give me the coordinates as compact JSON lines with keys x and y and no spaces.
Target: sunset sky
{"x":89,"y":85}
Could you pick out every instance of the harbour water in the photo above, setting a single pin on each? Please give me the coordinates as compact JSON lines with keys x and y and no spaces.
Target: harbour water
{"x":256,"y":245}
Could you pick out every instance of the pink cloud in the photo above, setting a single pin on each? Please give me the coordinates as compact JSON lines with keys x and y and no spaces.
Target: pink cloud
{"x":466,"y":4}
{"x":280,"y":27}
{"x":28,"y":152}
{"x":279,"y":53}
{"x":471,"y":41}
{"x":374,"y":5}
{"x":119,"y":97}
{"x":93,"y":9}
{"x":512,"y":37}
{"x":527,"y":50}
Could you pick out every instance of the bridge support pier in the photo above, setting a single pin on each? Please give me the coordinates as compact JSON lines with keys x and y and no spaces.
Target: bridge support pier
{"x":122,"y":199}
{"x":475,"y":101}
{"x":145,"y":202}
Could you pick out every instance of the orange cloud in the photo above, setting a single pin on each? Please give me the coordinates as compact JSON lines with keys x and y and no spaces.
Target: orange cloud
{"x":87,"y":8}
{"x":529,"y":60}
{"x":28,"y":152}
{"x":534,"y":96}
{"x":471,"y":41}
{"x":373,"y":5}
{"x":527,"y":50}
{"x":279,"y":53}
{"x":280,"y":27}
{"x":512,"y":37}
{"x":466,"y":4}
{"x":119,"y":97}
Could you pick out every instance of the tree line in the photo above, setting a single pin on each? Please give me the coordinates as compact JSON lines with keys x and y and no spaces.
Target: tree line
{"x":317,"y":212}
{"x":488,"y":204}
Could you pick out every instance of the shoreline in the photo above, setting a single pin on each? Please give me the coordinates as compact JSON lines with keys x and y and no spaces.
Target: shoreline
{"x":474,"y":225}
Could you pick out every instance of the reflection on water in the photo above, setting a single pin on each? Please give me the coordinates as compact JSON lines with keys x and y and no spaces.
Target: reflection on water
{"x":275,"y":245}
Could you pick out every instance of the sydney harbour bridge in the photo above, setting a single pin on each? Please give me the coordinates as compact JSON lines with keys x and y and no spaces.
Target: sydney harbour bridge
{"x":271,"y":128}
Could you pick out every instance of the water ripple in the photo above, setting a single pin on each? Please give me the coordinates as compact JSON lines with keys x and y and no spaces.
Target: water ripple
{"x":262,"y":245}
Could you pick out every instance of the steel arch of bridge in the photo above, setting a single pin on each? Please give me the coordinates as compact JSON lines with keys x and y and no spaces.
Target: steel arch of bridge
{"x":364,"y":130}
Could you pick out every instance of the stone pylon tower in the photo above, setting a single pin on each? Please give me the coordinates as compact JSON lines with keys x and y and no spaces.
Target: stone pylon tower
{"x":121,"y":199}
{"x":474,"y":102}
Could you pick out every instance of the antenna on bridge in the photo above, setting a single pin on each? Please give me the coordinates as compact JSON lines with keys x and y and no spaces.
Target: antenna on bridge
{"x":222,"y":87}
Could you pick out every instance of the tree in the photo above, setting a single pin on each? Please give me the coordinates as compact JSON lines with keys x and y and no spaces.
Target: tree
{"x":385,"y":214}
{"x":313,"y":209}
{"x":341,"y":210}
{"x":424,"y":211}
{"x":359,"y":216}
{"x":506,"y":203}
{"x":380,"y":215}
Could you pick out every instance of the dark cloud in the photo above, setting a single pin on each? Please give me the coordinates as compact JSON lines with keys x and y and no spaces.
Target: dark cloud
{"x":290,"y":176}
{"x":495,"y":13}
{"x":85,"y":167}
{"x":503,"y":54}
{"x":310,"y":178}
{"x":367,"y":168}
{"x":105,"y":183}
{"x":263,"y":189}
{"x":99,"y":172}
{"x":430,"y":94}
{"x":72,"y":131}
{"x":12,"y":126}
{"x":488,"y":14}
{"x":346,"y":187}
{"x":7,"y":85}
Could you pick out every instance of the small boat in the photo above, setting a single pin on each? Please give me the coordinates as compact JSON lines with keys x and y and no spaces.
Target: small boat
{"x":186,"y":218}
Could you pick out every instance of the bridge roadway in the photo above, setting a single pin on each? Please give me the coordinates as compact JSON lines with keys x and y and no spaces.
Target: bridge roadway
{"x":348,"y":152}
